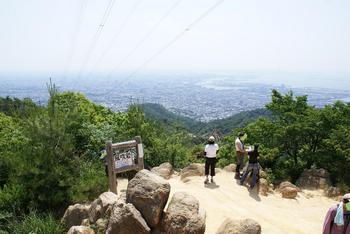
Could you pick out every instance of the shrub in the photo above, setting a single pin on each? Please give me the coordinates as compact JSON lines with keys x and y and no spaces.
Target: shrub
{"x":92,"y":181}
{"x":37,"y":224}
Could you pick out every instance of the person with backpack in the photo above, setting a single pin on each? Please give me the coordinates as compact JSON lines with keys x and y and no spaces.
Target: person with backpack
{"x":240,"y":152}
{"x":253,"y":166}
{"x":210,"y":151}
{"x":338,"y":218}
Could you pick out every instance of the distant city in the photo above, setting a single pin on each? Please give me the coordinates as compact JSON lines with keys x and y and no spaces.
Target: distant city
{"x":204,"y":97}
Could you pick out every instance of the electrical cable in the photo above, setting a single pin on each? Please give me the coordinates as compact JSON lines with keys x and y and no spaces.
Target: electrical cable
{"x":97,"y":35}
{"x":76,"y":31}
{"x":147,"y":35}
{"x":115,"y":37}
{"x":169,"y":44}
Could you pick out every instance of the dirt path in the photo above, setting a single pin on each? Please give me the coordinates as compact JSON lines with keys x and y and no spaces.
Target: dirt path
{"x":275,"y":214}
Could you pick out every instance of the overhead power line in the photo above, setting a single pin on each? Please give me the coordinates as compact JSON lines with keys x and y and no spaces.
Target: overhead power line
{"x":97,"y":35}
{"x":76,"y":31}
{"x":170,"y":43}
{"x":116,"y":36}
{"x":175,"y":39}
{"x":147,"y":35}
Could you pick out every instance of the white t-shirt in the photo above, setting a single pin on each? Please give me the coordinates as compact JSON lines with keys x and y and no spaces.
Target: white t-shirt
{"x":211,"y":149}
{"x":239,"y":145}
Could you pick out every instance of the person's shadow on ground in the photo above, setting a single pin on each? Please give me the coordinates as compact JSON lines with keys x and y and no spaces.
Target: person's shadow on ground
{"x":211,"y":185}
{"x":254,"y":193}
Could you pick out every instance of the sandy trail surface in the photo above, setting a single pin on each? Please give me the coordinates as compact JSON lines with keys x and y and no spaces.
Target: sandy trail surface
{"x":227,"y":199}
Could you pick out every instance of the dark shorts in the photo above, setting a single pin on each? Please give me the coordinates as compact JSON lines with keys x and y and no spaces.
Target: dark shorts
{"x":210,"y":164}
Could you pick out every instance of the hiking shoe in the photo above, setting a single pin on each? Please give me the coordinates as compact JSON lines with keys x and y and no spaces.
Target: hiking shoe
{"x":206,"y":181}
{"x":212,"y":180}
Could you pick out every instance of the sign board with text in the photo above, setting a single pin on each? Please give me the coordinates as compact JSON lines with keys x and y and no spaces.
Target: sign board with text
{"x":122,"y":157}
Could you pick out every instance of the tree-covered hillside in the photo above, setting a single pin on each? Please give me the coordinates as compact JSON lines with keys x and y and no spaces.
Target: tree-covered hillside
{"x":224,"y":126}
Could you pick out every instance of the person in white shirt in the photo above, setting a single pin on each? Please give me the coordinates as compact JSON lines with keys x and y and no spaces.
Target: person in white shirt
{"x":210,"y":152}
{"x":240,"y":152}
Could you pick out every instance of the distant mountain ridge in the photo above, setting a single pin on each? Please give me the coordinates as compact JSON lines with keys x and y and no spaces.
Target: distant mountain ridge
{"x":159,"y":113}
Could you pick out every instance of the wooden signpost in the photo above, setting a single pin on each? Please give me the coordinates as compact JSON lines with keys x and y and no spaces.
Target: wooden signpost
{"x":122,"y":157}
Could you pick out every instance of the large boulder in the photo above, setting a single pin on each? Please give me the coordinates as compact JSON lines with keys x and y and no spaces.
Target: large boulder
{"x":314,"y":179}
{"x":100,"y":205}
{"x":80,"y":230}
{"x":183,"y":215}
{"x":289,"y":192}
{"x":149,"y":193}
{"x":195,"y":169}
{"x":286,"y":184}
{"x":333,"y":192}
{"x":263,"y":187}
{"x":75,"y":214}
{"x":164,"y":170}
{"x":245,"y":226}
{"x":230,"y":168}
{"x":126,"y":219}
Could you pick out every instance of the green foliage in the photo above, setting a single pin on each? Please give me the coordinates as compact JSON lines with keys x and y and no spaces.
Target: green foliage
{"x":160,"y":146}
{"x":16,"y":107}
{"x":300,"y":136}
{"x":50,"y":166}
{"x":224,"y":126}
{"x":35,"y":223}
{"x":227,"y":151}
{"x":92,"y":181}
{"x":240,"y":120}
{"x":12,"y":140}
{"x":12,"y":197}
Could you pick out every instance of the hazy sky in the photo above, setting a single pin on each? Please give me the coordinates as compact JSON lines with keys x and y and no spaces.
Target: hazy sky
{"x":56,"y":36}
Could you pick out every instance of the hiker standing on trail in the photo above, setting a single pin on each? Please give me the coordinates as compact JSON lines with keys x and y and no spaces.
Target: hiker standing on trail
{"x":252,"y":166}
{"x":338,"y":218}
{"x":210,"y":152}
{"x":240,"y":151}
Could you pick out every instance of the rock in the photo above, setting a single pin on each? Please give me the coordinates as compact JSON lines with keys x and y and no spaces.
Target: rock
{"x":121,"y":197}
{"x":85,"y":222}
{"x":100,"y":205}
{"x":289,"y":192}
{"x":195,"y":169}
{"x":314,"y":179}
{"x":230,"y":168}
{"x":75,"y":214}
{"x":263,"y":187}
{"x":185,"y":180}
{"x":333,"y":192}
{"x":286,"y":184}
{"x":101,"y":225}
{"x":126,"y":219}
{"x":245,"y":226}
{"x":80,"y":230}
{"x":149,"y":193}
{"x":262,"y":174}
{"x":164,"y":170}
{"x":183,"y":215}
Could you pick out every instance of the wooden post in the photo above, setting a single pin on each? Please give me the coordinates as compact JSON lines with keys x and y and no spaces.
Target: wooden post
{"x":140,"y":154}
{"x":112,"y":181}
